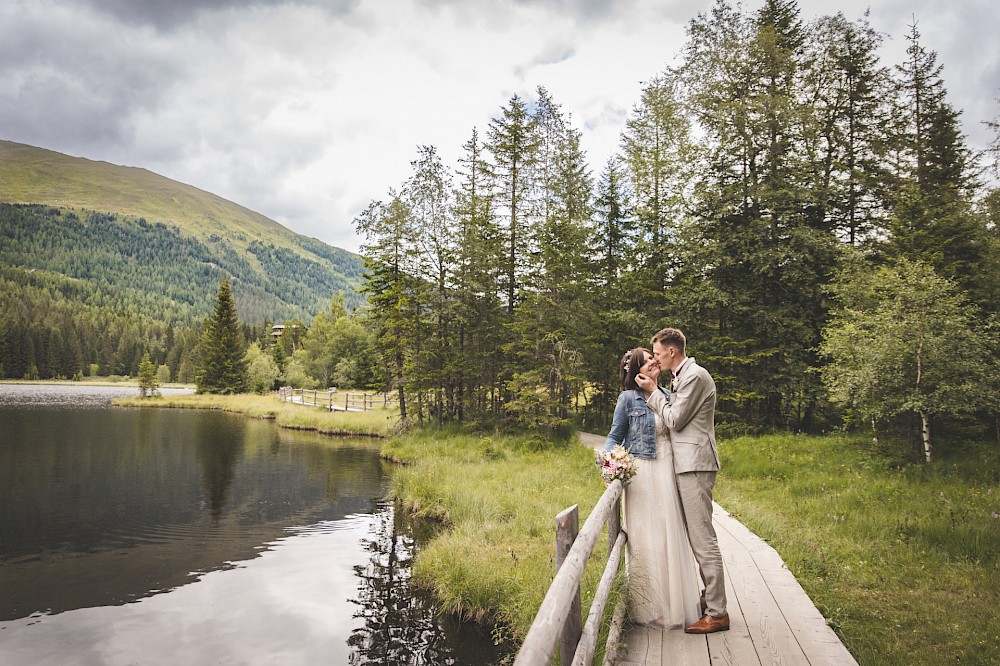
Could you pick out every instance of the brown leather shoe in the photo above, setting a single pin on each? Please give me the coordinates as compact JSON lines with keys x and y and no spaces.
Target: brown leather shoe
{"x":708,"y":624}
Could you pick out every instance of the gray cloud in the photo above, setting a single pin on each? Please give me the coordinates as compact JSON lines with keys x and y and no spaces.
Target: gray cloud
{"x":167,"y":15}
{"x":68,"y":84}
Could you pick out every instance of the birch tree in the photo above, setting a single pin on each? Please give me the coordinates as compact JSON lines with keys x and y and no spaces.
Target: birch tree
{"x":903,"y":340}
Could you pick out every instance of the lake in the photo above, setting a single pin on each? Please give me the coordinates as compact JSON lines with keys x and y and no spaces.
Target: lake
{"x":159,"y":536}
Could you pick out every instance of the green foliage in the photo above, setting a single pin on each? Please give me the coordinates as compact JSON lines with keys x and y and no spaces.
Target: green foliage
{"x":148,"y":382}
{"x":154,"y":268}
{"x":262,"y":371}
{"x":334,"y":348}
{"x":903,"y":340}
{"x":222,"y":364}
{"x":101,"y":290}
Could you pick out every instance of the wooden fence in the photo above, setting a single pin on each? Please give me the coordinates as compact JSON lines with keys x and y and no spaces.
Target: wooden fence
{"x":559,"y":617}
{"x":336,"y":401}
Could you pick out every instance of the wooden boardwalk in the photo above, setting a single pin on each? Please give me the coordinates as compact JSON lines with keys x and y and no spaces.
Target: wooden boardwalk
{"x":772,"y":620}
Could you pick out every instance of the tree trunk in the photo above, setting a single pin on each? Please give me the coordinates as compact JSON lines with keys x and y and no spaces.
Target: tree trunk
{"x":399,"y":384}
{"x":925,"y":434}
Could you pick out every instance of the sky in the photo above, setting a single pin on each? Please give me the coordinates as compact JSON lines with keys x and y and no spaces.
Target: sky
{"x":307,"y":110}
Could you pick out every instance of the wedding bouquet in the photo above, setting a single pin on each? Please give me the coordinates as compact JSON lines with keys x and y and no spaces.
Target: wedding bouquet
{"x":617,"y":463}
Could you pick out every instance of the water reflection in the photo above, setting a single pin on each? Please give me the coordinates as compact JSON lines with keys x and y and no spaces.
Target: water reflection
{"x":218,"y":453}
{"x":105,"y":506}
{"x":176,"y":536}
{"x":400,"y":624}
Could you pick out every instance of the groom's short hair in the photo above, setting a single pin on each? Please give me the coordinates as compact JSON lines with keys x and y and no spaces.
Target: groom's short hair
{"x":672,"y":337}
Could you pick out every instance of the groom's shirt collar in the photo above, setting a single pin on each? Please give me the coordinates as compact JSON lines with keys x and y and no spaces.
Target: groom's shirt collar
{"x":677,"y":370}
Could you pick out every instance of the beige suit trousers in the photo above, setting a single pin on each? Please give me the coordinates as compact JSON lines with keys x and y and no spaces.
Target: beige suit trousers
{"x":695,"y":489}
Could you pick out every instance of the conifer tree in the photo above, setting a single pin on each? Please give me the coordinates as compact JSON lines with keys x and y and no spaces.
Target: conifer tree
{"x":222,"y":368}
{"x":514,"y":142}
{"x":552,"y":322}
{"x":429,"y":198}
{"x":148,"y":380}
{"x":847,"y":133}
{"x":932,"y":219}
{"x":395,"y":293}
{"x":477,"y":268}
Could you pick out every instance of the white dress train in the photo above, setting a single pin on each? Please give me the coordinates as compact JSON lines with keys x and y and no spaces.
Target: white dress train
{"x":663,"y":580}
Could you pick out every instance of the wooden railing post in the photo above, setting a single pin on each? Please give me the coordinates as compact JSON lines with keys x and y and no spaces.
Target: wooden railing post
{"x":614,"y":523}
{"x":567,"y":528}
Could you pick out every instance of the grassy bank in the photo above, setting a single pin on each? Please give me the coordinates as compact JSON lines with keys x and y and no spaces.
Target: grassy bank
{"x":499,"y":497}
{"x":374,"y":423}
{"x":903,"y":559}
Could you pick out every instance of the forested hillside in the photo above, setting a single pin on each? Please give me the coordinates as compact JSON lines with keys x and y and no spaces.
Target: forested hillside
{"x":88,"y":280}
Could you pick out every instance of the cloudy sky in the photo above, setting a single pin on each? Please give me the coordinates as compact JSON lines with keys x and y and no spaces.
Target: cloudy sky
{"x":306,"y":110}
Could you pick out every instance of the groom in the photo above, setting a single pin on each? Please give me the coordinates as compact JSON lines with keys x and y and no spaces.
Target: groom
{"x":689,"y":413}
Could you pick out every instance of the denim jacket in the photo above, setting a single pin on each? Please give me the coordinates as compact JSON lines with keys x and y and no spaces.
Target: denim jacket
{"x":634,"y":425}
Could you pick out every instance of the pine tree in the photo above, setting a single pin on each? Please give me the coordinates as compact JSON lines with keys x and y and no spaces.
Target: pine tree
{"x":932,"y":217}
{"x":478,"y":261}
{"x":551,"y":324}
{"x":222,"y":368}
{"x":148,"y":381}
{"x":848,"y":95}
{"x":656,"y":147}
{"x":395,"y":293}
{"x":428,"y":193}
{"x":514,"y":143}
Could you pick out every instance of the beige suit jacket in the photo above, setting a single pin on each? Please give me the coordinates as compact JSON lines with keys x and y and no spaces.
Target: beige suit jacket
{"x":690,"y":416}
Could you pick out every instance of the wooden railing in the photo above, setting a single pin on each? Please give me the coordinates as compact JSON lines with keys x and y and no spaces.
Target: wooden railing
{"x":336,"y":401}
{"x":559,"y":617}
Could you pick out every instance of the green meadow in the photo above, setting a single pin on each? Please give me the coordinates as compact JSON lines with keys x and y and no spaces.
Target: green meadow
{"x":902,"y":558}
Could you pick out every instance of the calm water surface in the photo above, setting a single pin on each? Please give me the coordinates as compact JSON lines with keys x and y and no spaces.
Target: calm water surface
{"x":152,"y":536}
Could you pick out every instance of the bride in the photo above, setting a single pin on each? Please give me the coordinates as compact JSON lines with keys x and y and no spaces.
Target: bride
{"x":663,"y":581}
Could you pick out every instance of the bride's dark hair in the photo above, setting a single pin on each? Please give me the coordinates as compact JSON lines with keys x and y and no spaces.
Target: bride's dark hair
{"x":631,"y":363}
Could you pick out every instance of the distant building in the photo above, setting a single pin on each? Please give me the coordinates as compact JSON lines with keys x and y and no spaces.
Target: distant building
{"x":278,"y":329}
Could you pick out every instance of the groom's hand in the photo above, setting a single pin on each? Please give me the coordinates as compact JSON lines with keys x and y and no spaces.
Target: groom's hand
{"x":646,"y":384}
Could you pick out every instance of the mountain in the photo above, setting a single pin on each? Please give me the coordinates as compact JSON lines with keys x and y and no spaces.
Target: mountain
{"x":134,"y":231}
{"x":101,"y":263}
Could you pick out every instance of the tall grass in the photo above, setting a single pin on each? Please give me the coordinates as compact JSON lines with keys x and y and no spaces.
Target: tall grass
{"x":378,"y":422}
{"x":499,"y":496}
{"x":902,"y":558}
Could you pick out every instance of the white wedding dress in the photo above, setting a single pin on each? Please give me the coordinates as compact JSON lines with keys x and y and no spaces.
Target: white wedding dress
{"x":663,"y":580}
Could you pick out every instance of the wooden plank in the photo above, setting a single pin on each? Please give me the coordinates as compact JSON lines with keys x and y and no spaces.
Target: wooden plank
{"x":540,"y":642}
{"x":616,"y":640}
{"x":747,"y":539}
{"x":584,"y":655}
{"x":773,"y":639}
{"x":818,"y":641}
{"x":687,"y":649}
{"x":643,"y":645}
{"x":734,"y":647}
